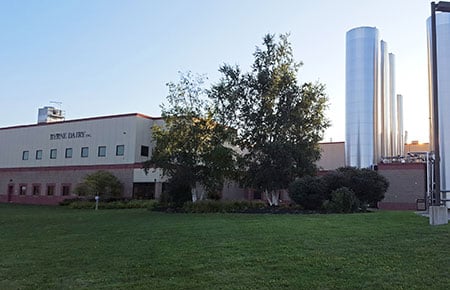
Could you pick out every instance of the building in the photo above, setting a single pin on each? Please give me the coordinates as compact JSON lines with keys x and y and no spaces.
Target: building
{"x":374,"y":112}
{"x":43,"y":163}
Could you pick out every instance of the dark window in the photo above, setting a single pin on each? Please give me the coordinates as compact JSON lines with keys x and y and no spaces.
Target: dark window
{"x":144,"y":151}
{"x":65,"y":190}
{"x":120,"y":150}
{"x":101,"y":151}
{"x":69,"y":152}
{"x":84,"y":151}
{"x":50,"y":189}
{"x":25,"y":155}
{"x":23,"y":189}
{"x":10,"y":189}
{"x":36,"y":189}
{"x":38,"y":154}
{"x":53,"y":154}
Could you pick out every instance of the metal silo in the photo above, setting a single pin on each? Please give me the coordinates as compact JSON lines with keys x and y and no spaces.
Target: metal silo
{"x":400,"y":133}
{"x":392,"y":108}
{"x":384,"y":111}
{"x":443,"y":75}
{"x":361,"y":96}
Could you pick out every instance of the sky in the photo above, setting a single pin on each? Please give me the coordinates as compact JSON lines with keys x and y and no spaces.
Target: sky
{"x":104,"y":57}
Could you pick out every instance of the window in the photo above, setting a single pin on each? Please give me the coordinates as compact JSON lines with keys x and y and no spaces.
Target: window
{"x":50,"y":189}
{"x":120,"y":150}
{"x":69,"y":152}
{"x":25,"y":155}
{"x":144,"y":151}
{"x":36,"y":189}
{"x":52,"y":153}
{"x":23,"y":189}
{"x":65,"y":190}
{"x":84,"y":151}
{"x":38,"y":154}
{"x":10,"y":189}
{"x":101,"y":151}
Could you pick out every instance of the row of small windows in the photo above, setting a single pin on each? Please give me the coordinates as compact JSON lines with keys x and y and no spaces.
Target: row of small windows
{"x":101,"y":152}
{"x":50,"y":189}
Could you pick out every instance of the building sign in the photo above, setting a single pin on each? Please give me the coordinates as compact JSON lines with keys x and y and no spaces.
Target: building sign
{"x":69,"y":135}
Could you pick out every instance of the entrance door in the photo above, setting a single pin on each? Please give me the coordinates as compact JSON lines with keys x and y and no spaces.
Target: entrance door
{"x":10,"y":191}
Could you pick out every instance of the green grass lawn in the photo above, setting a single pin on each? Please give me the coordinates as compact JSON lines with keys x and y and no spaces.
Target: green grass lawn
{"x":55,"y":247}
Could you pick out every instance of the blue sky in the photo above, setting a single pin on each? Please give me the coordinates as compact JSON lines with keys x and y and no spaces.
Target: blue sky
{"x":103,"y":57}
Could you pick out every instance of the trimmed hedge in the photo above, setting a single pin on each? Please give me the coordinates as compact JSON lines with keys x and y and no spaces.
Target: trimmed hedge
{"x":212,"y":206}
{"x":119,"y":204}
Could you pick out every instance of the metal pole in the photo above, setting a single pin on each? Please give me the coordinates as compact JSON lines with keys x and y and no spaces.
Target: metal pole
{"x":437,"y":171}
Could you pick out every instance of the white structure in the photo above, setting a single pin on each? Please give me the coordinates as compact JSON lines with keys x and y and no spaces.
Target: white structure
{"x":42,"y":163}
{"x":373,"y":114}
{"x":49,"y":115}
{"x":443,"y":74}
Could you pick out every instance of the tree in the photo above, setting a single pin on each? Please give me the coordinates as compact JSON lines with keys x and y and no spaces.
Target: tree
{"x":278,"y":123}
{"x":191,"y":147}
{"x":101,"y":183}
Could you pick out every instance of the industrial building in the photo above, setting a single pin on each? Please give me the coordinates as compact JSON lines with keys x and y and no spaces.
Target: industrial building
{"x":42,"y":163}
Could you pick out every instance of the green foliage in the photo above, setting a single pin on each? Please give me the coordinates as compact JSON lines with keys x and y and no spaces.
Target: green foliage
{"x":179,"y":189}
{"x":191,"y":143}
{"x":309,"y":192}
{"x":119,"y":204}
{"x":343,"y":200}
{"x":278,"y":122}
{"x":368,"y":185}
{"x":101,"y":183}
{"x":214,"y":206}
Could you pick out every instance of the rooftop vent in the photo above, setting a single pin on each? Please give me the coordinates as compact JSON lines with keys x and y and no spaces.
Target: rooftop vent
{"x":50,"y":115}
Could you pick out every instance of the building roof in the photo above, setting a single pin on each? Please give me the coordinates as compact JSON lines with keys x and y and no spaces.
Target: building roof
{"x":139,"y":115}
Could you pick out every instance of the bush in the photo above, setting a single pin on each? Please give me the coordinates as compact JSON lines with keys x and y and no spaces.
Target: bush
{"x":309,"y":192}
{"x":368,"y":185}
{"x":178,"y":191}
{"x":117,"y":204}
{"x":343,"y":200}
{"x":214,"y":206}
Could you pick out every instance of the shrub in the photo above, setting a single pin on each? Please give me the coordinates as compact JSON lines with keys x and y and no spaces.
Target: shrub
{"x":178,"y":191}
{"x":214,"y":206}
{"x":117,"y":204}
{"x":369,"y":186}
{"x":309,"y":192}
{"x":343,"y":200}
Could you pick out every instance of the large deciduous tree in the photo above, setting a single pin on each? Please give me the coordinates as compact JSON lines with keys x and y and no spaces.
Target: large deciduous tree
{"x":191,"y":147}
{"x":278,"y":122}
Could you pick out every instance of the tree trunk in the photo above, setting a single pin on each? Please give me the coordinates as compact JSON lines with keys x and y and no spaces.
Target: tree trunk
{"x":273,"y":197}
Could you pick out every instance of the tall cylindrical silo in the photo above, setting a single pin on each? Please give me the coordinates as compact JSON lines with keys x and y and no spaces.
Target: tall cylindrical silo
{"x":443,"y":74}
{"x":361,"y":96}
{"x":384,"y":111}
{"x":400,"y":133}
{"x":392,"y":107}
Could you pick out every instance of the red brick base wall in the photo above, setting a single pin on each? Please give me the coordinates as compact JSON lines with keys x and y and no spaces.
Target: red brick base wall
{"x":397,"y":206}
{"x":33,"y":199}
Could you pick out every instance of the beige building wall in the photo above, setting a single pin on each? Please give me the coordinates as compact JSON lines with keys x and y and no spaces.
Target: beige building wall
{"x":333,"y":155}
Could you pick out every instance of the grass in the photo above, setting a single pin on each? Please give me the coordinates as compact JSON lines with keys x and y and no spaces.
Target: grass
{"x":61,"y":248}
